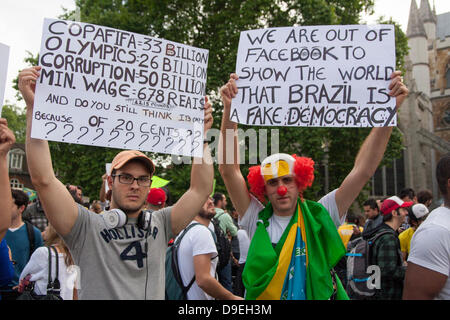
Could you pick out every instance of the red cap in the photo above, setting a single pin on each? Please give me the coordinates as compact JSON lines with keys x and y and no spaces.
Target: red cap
{"x":156,"y":196}
{"x":393,"y":203}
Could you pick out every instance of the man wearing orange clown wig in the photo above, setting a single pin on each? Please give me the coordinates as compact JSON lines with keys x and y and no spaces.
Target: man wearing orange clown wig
{"x":294,"y":242}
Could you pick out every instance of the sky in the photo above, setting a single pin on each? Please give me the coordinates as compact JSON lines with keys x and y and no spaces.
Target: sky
{"x":21,"y":27}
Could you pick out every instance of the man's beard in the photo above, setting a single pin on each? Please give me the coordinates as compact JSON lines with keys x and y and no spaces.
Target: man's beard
{"x":205,"y":214}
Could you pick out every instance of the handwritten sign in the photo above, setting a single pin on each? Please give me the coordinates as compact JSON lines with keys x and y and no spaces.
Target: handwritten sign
{"x":4,"y":55}
{"x":318,"y":76}
{"x":106,"y":87}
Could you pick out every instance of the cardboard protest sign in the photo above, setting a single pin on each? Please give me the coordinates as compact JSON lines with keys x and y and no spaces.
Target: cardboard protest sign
{"x":316,"y":76}
{"x":4,"y":57}
{"x":106,"y":87}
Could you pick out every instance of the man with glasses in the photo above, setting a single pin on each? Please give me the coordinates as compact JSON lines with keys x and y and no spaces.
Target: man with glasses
{"x":119,"y":257}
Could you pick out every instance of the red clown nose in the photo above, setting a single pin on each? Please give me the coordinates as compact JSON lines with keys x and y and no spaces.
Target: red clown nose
{"x":282,"y":190}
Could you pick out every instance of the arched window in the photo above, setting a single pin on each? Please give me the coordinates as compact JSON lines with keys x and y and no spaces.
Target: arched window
{"x":15,"y":184}
{"x":15,"y":159}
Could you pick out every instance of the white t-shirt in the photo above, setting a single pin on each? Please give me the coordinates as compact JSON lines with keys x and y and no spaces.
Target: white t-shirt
{"x":430,"y":246}
{"x":198,"y":240}
{"x":244,"y":243}
{"x":38,"y":268}
{"x":277,"y":224}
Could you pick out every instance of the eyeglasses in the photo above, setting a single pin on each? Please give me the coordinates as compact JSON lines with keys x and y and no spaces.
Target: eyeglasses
{"x":143,"y":181}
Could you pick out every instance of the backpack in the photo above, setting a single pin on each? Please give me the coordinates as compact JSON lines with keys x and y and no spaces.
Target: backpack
{"x":30,"y":233}
{"x":223,"y":245}
{"x":175,"y":290}
{"x":359,"y":256}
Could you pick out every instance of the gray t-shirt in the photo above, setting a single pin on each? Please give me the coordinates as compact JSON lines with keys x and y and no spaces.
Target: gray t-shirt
{"x":113,"y":262}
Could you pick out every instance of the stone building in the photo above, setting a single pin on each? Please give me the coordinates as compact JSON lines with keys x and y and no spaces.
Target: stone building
{"x":424,"y":118}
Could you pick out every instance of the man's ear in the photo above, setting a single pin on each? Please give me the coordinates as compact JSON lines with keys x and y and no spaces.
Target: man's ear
{"x":109,"y":180}
{"x":22,"y":209}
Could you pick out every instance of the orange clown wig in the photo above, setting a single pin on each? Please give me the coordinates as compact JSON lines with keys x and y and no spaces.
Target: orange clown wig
{"x":279,"y":165}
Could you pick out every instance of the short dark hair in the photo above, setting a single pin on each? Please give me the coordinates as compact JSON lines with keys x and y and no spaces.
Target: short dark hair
{"x":217,"y":197}
{"x":353,"y":217}
{"x":372,"y":203}
{"x":407,"y":192}
{"x":20,"y":198}
{"x":443,"y":173}
{"x":423,"y":196}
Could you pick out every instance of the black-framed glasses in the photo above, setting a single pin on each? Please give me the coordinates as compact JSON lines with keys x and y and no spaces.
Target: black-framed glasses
{"x":143,"y":181}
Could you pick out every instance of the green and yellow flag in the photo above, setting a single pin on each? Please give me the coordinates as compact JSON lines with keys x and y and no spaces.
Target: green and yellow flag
{"x":269,"y":270}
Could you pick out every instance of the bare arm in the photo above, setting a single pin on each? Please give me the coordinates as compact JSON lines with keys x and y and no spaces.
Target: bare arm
{"x":229,"y":152}
{"x":370,"y":154}
{"x":212,"y":287}
{"x":422,"y":283}
{"x":57,"y":202}
{"x":202,"y":175}
{"x":7,"y":139}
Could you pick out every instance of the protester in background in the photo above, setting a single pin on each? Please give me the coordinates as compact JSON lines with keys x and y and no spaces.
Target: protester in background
{"x":7,"y":139}
{"x":372,"y":214}
{"x":385,"y":250}
{"x":132,"y":267}
{"x":96,"y":207}
{"x":284,"y":188}
{"x":156,"y":199}
{"x":425,"y":197}
{"x":427,"y":275}
{"x":197,"y":256}
{"x":76,"y":192}
{"x":35,"y":215}
{"x":22,"y":238}
{"x":408,"y":195}
{"x":36,"y":269}
{"x":352,"y":228}
{"x":228,"y":227}
{"x":416,"y":214}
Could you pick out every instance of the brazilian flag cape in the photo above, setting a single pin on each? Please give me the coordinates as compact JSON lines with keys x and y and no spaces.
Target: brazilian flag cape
{"x":267,"y":268}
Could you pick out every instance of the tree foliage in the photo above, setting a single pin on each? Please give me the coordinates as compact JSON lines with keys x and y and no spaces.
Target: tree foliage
{"x":216,"y":25}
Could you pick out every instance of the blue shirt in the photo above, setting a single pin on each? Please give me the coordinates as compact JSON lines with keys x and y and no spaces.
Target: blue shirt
{"x":20,"y":249}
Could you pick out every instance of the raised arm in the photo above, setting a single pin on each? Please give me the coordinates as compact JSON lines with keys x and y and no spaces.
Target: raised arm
{"x":7,"y":139}
{"x":229,"y":152}
{"x":202,"y":176}
{"x":57,"y":202}
{"x":370,"y":153}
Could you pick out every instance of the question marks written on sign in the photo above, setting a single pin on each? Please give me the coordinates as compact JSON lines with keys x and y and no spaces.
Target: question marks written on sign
{"x":317,"y":76}
{"x":106,"y":87}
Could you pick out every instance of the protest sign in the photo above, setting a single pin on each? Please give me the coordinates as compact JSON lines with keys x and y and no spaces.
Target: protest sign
{"x":316,"y":76}
{"x":4,"y":55}
{"x":106,"y":87}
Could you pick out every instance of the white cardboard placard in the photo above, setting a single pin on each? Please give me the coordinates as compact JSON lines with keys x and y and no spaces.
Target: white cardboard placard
{"x":106,"y":87}
{"x":316,"y":76}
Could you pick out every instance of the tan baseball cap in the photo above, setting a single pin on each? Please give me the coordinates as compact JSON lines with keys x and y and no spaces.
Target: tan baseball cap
{"x":123,"y":157}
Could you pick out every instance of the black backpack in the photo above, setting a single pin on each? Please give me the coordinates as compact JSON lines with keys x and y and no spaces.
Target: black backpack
{"x":223,"y":245}
{"x":359,"y":258}
{"x":53,"y":287}
{"x":30,"y":233}
{"x":175,"y":290}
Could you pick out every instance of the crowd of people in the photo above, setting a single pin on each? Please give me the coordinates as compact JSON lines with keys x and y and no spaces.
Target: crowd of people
{"x":261,"y":240}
